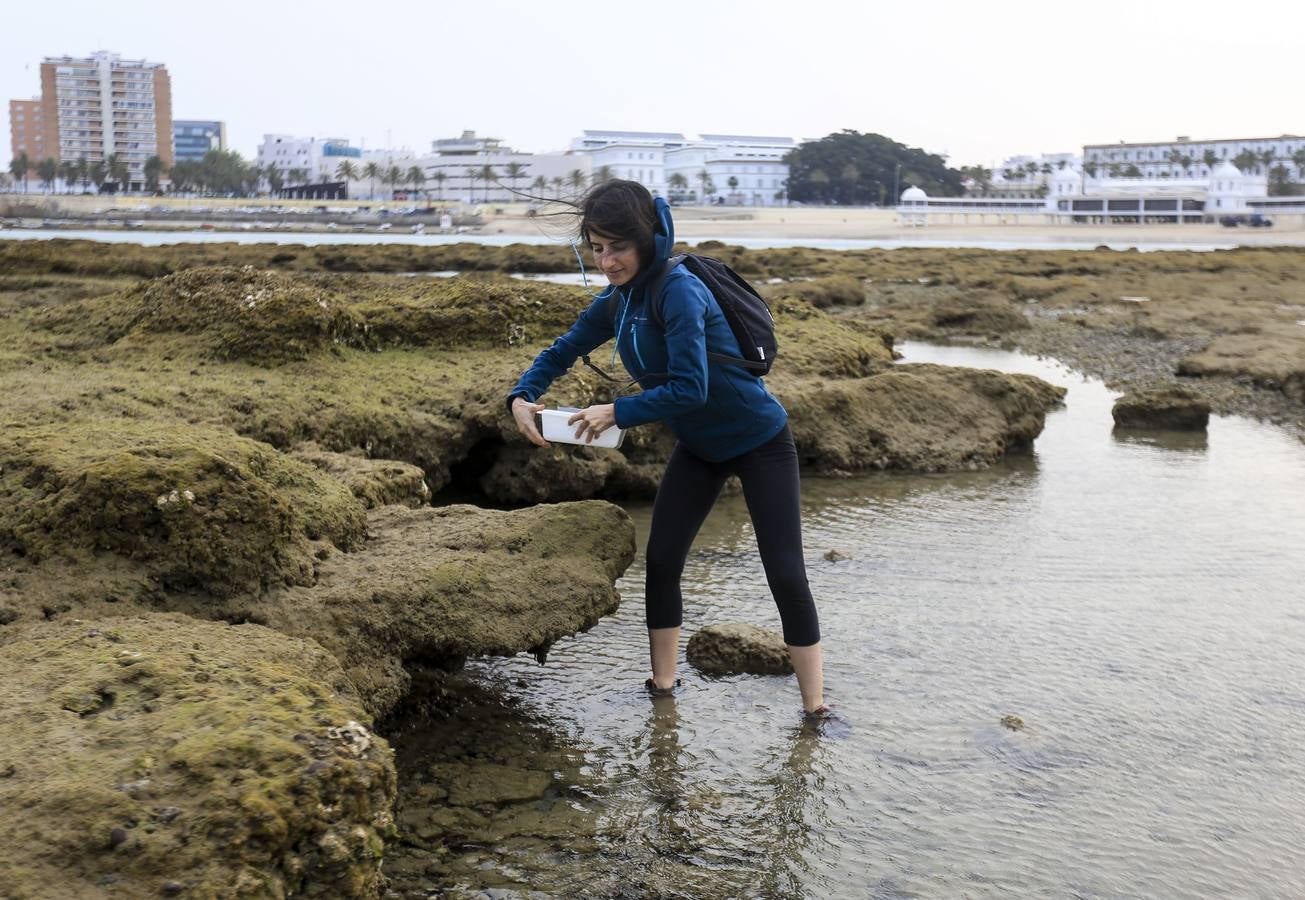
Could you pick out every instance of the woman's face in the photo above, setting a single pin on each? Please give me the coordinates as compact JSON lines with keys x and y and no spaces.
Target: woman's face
{"x":617,"y":257}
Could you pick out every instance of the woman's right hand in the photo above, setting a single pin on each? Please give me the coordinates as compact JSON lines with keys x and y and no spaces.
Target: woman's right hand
{"x":523,"y":411}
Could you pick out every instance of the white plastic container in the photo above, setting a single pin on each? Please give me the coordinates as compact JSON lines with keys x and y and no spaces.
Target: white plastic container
{"x":556,"y":429}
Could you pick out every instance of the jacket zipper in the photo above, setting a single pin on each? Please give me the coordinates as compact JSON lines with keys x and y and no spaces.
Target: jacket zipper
{"x":634,"y":336}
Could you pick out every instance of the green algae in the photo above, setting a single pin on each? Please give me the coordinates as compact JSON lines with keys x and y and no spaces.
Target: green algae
{"x":161,"y":754}
{"x":196,"y":507}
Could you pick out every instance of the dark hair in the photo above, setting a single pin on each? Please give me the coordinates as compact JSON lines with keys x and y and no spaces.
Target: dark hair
{"x":624,"y":210}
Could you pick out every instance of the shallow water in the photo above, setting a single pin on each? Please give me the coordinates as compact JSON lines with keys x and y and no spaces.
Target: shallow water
{"x":311,"y":239}
{"x":1134,"y":598}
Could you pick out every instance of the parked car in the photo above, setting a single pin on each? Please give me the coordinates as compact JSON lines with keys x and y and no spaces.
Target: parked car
{"x":1257,"y":220}
{"x":1231,"y":221}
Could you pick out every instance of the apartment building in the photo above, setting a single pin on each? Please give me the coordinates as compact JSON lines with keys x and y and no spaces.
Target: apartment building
{"x":103,"y":105}
{"x":27,"y":130}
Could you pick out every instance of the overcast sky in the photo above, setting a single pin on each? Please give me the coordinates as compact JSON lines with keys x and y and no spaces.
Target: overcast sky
{"x":976,"y":82}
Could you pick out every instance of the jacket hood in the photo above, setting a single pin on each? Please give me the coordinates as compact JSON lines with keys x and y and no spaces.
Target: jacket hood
{"x":663,"y":242}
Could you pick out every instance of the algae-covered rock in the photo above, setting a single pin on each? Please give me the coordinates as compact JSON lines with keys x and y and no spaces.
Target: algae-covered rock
{"x":738,"y":648}
{"x":1272,"y":357}
{"x":978,"y":314}
{"x":375,"y":482}
{"x":196,"y":507}
{"x":158,"y":755}
{"x":236,"y":312}
{"x":436,"y":585}
{"x":1167,"y":406}
{"x":919,"y":417}
{"x":832,"y":290}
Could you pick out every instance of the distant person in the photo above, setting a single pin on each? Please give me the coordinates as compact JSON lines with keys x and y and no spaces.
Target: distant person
{"x":725,"y":420}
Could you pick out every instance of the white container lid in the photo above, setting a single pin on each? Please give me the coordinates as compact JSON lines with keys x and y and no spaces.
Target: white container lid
{"x":556,"y":429}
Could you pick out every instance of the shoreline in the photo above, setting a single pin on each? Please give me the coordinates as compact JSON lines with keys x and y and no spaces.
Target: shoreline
{"x":767,"y":226}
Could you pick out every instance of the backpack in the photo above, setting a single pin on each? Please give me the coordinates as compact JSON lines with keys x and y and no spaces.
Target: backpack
{"x":748,"y":315}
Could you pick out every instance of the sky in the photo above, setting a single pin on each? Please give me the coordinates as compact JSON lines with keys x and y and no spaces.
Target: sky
{"x":971,"y":81}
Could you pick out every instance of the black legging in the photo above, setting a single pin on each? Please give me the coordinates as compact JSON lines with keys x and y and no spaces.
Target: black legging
{"x":687,"y":493}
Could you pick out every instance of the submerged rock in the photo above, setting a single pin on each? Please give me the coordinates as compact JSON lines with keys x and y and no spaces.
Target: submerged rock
{"x":160,"y":754}
{"x":1168,"y":406}
{"x":738,"y":648}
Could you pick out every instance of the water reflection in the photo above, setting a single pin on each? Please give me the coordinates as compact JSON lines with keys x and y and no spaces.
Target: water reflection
{"x":1133,"y":599}
{"x":1163,"y":439}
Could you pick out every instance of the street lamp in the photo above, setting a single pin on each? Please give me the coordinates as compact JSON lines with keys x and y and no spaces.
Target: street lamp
{"x":897,"y":195}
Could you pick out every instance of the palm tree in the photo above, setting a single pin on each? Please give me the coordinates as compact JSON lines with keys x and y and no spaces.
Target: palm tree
{"x":153,"y":169}
{"x":83,"y":171}
{"x":1211,"y":159}
{"x":677,"y":182}
{"x":1299,"y":159}
{"x":559,"y":182}
{"x":67,"y":172}
{"x":416,"y":177}
{"x":47,"y":170}
{"x":604,"y":173}
{"x":1279,"y":183}
{"x":394,"y":176}
{"x":1267,"y":157}
{"x":117,"y":171}
{"x":488,"y":174}
{"x":704,"y":178}
{"x":1245,"y":160}
{"x":298,"y":176}
{"x":99,"y":174}
{"x":576,"y":179}
{"x":473,"y":174}
{"x":439,"y":178}
{"x":19,"y":166}
{"x":346,"y":172}
{"x":371,"y":172}
{"x":1090,"y":168}
{"x":514,"y":171}
{"x":539,"y":185}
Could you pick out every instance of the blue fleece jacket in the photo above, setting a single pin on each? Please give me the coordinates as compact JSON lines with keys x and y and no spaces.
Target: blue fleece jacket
{"x":717,"y":410}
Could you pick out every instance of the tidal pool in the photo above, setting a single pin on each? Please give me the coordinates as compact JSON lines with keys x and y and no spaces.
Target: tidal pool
{"x":1136,"y":599}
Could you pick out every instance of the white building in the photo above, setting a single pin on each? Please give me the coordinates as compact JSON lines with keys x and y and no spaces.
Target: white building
{"x":318,"y":158}
{"x":1023,"y":176}
{"x":1186,"y":158}
{"x":1073,"y":196}
{"x":696,"y":170}
{"x":740,"y":170}
{"x":632,"y":155}
{"x":478,"y":170}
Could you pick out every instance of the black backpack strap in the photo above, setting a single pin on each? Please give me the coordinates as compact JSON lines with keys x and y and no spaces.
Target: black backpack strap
{"x":655,"y":290}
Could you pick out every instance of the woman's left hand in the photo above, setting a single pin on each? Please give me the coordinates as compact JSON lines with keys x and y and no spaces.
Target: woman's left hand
{"x":593,"y":421}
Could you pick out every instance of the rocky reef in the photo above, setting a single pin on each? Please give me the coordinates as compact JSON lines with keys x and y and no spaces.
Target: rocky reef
{"x":247,"y":495}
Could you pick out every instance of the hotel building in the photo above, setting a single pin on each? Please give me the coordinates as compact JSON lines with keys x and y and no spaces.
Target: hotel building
{"x":1186,"y":158}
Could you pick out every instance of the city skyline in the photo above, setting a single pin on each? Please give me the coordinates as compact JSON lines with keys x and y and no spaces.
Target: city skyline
{"x":538,"y":76}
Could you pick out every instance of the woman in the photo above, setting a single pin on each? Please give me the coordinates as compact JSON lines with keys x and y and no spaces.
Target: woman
{"x":725,"y":420}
